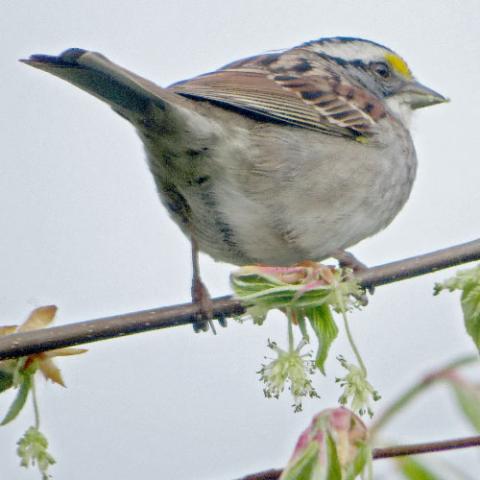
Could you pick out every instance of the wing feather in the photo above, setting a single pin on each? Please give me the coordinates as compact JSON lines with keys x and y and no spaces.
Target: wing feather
{"x":296,"y":87}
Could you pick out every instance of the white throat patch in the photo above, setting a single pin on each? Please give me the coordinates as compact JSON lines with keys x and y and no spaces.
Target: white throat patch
{"x":401,"y":109}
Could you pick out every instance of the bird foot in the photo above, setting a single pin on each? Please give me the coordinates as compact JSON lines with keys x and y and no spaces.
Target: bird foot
{"x":202,"y":298}
{"x":348,"y":260}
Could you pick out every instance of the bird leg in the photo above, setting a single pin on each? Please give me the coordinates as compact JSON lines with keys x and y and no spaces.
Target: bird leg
{"x":201,"y":297}
{"x":348,"y":260}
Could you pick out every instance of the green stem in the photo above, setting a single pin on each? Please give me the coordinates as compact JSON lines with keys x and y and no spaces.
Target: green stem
{"x":370,"y":467}
{"x":349,"y":333}
{"x":290,"y":330}
{"x":36,"y":410}
{"x":412,"y":392}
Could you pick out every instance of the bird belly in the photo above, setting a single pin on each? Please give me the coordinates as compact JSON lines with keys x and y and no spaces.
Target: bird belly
{"x":278,"y":195}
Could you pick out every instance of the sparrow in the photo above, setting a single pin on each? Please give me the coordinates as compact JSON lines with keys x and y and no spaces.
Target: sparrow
{"x":275,"y":159}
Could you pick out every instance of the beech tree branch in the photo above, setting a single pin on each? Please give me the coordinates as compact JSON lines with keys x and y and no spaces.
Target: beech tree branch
{"x":390,"y":452}
{"x":27,"y":343}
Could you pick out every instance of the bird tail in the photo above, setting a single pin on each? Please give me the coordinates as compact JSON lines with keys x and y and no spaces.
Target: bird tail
{"x":127,"y":93}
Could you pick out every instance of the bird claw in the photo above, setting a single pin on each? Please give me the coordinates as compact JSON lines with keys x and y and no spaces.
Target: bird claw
{"x":201,"y":297}
{"x":348,"y":260}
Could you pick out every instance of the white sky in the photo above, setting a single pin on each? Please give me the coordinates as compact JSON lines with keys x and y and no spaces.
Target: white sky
{"x":81,"y":227}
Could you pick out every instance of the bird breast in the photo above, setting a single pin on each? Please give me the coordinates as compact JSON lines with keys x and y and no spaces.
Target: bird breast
{"x":258,"y":192}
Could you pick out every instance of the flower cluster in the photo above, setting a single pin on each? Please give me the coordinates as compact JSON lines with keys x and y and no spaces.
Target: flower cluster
{"x":307,"y":294}
{"x":356,"y":388}
{"x":290,"y":367}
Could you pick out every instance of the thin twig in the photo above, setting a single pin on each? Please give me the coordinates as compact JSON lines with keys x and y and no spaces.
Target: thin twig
{"x":390,"y":452}
{"x":418,"y":448}
{"x":35,"y":341}
{"x":420,"y":265}
{"x":272,"y":474}
{"x":412,"y":392}
{"x":27,"y":343}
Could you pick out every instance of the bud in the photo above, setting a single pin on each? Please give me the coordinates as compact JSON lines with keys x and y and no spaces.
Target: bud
{"x":334,"y":447}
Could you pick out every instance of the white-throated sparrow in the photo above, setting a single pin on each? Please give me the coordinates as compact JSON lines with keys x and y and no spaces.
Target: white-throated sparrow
{"x":274,"y":159}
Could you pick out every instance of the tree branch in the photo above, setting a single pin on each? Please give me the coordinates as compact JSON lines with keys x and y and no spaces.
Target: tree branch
{"x":27,"y":343}
{"x":390,"y":452}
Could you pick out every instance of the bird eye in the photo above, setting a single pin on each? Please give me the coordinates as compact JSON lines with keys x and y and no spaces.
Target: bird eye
{"x":381,"y":69}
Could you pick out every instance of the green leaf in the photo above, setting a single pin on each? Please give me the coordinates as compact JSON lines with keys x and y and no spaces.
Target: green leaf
{"x":468,"y":282}
{"x":358,"y":465}
{"x":303,"y":327}
{"x":471,"y":311}
{"x":334,"y":469}
{"x":468,"y":399}
{"x":303,"y":467}
{"x":6,"y":380}
{"x":415,"y":470}
{"x":325,"y":328}
{"x":20,"y":399}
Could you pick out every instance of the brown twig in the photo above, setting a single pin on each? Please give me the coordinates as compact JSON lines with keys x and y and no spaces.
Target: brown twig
{"x":416,"y":389}
{"x":419,"y":448}
{"x":27,"y":343}
{"x":390,"y":452}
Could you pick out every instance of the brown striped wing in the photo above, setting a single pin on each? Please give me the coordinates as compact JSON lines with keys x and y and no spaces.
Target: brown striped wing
{"x":315,"y":98}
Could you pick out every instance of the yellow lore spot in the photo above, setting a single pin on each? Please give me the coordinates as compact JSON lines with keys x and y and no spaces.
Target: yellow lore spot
{"x":398,"y":64}
{"x":361,"y":139}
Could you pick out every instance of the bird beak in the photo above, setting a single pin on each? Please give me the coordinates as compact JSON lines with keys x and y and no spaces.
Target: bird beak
{"x":419,"y":96}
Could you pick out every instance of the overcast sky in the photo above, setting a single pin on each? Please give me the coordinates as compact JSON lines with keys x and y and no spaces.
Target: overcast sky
{"x":81,"y":227}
